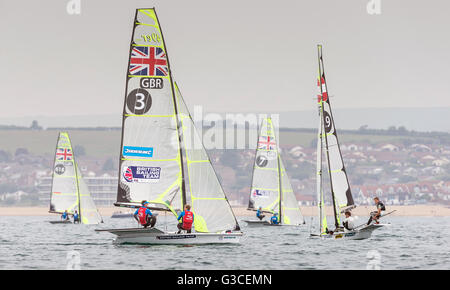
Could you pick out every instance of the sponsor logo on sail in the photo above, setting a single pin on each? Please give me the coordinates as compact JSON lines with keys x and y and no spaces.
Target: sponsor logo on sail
{"x":142,"y":174}
{"x":137,"y":151}
{"x":260,"y":193}
{"x":152,"y":83}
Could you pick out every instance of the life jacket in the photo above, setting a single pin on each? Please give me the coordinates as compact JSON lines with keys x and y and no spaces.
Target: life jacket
{"x":188,"y":219}
{"x":142,"y":216}
{"x":274,"y":220}
{"x":381,"y":206}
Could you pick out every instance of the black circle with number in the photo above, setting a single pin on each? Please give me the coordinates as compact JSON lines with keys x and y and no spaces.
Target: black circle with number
{"x":139,"y":101}
{"x":262,"y":161}
{"x":327,"y":122}
{"x":60,"y":169}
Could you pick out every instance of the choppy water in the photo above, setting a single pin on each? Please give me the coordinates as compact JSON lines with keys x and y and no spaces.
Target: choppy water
{"x":410,"y":243}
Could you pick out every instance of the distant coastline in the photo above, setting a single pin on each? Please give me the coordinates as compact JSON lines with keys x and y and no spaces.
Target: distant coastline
{"x":410,"y":210}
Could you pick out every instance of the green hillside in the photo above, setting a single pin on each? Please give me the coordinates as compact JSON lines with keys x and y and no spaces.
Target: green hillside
{"x":106,"y":143}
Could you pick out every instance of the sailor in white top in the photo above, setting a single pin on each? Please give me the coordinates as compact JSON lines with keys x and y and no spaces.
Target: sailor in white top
{"x":349,"y":221}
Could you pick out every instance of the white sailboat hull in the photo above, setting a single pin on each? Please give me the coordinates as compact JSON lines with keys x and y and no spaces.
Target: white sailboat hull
{"x":61,"y":222}
{"x":256,"y":223}
{"x":360,"y":234}
{"x":156,"y":237}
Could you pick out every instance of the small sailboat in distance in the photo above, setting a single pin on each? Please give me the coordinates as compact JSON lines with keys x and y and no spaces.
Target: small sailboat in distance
{"x":271,"y":189}
{"x":341,"y":194}
{"x":69,"y":191}
{"x":162,"y":158}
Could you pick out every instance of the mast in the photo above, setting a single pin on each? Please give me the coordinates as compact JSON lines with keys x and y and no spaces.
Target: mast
{"x":321,"y":75}
{"x":280,"y":188}
{"x":254,"y":162}
{"x":53,"y":171}
{"x":319,"y":171}
{"x":183,"y":185}
{"x":78,"y":186}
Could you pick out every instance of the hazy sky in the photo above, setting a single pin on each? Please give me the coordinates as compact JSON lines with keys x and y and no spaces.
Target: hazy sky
{"x":233,"y":55}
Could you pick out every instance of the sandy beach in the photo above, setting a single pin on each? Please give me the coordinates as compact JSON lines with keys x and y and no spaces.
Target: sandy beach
{"x":413,"y":210}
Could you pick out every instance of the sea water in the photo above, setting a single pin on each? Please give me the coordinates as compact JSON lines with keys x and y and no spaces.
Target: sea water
{"x":408,"y":243}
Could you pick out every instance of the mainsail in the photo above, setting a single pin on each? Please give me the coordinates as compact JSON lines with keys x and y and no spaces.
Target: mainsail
{"x":340,"y":188}
{"x":271,"y":189}
{"x":156,"y":151}
{"x":69,"y":191}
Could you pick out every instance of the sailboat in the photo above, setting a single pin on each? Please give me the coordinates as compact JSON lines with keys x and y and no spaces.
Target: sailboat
{"x":341,"y":194}
{"x":271,"y":189}
{"x":162,"y":158}
{"x":69,"y":191}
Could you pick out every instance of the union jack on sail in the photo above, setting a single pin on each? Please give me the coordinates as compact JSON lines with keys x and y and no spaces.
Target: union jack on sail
{"x":266,"y":143}
{"x":63,"y":154}
{"x":148,"y":61}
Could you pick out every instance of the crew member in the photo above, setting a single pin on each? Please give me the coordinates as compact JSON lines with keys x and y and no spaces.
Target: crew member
{"x":186,"y":219}
{"x":144,"y":216}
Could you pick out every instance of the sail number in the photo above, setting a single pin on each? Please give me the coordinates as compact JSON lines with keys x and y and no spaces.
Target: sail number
{"x":328,"y":123}
{"x":154,"y":37}
{"x":139,"y":101}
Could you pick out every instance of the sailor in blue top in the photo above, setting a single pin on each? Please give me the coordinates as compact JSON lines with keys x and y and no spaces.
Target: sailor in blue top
{"x":76,"y":219}
{"x":65,"y":215}
{"x":274,"y":219}
{"x":259,"y":213}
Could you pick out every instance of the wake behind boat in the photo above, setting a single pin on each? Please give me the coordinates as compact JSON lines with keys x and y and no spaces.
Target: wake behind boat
{"x":163,"y":159}
{"x":70,"y":195}
{"x":341,"y":194}
{"x":271,"y":190}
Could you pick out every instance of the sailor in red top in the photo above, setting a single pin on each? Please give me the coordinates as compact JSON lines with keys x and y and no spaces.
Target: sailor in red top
{"x":187,"y":217}
{"x":144,"y":216}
